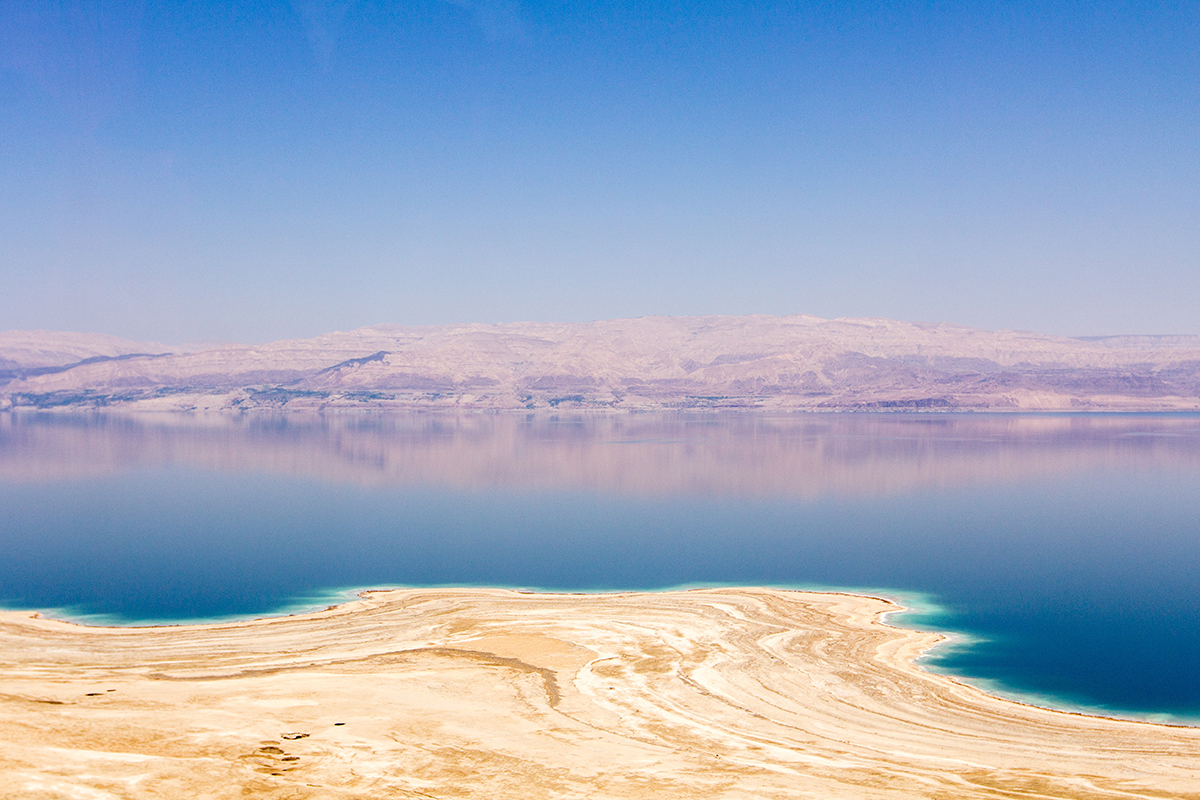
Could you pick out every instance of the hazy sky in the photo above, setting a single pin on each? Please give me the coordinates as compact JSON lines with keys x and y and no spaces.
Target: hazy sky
{"x":260,"y":170}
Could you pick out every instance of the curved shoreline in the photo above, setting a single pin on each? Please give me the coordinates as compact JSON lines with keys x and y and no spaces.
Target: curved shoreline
{"x":498,"y":693}
{"x":914,"y":604}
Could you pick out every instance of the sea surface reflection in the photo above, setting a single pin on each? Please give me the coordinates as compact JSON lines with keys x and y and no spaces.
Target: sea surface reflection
{"x":798,"y":455}
{"x":1066,"y":547}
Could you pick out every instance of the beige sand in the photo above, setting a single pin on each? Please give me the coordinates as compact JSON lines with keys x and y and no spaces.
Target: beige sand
{"x":738,"y":693}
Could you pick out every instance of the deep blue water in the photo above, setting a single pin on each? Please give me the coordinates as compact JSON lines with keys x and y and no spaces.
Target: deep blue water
{"x":1068,"y":549}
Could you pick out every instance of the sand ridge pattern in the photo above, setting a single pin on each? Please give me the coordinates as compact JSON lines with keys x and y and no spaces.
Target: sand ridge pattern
{"x":436,"y":693}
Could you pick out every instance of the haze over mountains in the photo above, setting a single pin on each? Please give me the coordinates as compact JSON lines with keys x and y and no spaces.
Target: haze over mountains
{"x":652,"y":363}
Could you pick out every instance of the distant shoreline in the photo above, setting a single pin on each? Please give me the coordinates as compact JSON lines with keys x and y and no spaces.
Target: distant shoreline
{"x":733,"y":363}
{"x":135,"y":410}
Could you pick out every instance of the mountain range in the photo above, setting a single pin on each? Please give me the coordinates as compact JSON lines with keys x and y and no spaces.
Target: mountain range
{"x":652,"y":363}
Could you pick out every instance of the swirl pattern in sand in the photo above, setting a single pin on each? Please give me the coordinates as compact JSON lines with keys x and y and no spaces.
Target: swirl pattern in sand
{"x":491,"y":693}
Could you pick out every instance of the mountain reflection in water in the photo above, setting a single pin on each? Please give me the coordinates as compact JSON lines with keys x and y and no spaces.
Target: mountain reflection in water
{"x":798,"y":455}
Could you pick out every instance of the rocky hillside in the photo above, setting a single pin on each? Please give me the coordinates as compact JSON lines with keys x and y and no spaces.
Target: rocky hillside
{"x":752,"y":362}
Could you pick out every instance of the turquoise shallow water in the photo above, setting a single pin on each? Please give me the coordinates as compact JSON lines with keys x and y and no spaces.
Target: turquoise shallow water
{"x":1063,"y":553}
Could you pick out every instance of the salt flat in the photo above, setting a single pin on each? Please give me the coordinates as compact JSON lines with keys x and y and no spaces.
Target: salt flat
{"x":733,"y":693}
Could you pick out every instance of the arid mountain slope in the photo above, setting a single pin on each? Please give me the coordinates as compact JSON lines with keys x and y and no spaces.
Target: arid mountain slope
{"x":752,"y":362}
{"x":40,"y":350}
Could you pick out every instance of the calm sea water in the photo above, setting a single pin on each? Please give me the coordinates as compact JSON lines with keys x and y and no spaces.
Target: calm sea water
{"x":1063,"y":550}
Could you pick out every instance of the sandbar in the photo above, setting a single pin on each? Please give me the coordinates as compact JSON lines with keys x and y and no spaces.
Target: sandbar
{"x":489,"y":693}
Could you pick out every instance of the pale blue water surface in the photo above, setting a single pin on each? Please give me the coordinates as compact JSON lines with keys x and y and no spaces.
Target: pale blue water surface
{"x":1064,"y":551}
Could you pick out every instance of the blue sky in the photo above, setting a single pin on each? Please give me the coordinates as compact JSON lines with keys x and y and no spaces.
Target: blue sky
{"x":254,"y":171}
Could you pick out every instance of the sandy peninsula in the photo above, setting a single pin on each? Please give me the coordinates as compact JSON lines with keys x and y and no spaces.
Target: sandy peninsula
{"x":729,"y":693}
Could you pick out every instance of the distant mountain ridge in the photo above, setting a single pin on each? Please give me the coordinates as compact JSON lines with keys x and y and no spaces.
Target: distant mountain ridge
{"x":1145,"y":340}
{"x":45,"y":349}
{"x":652,"y":363}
